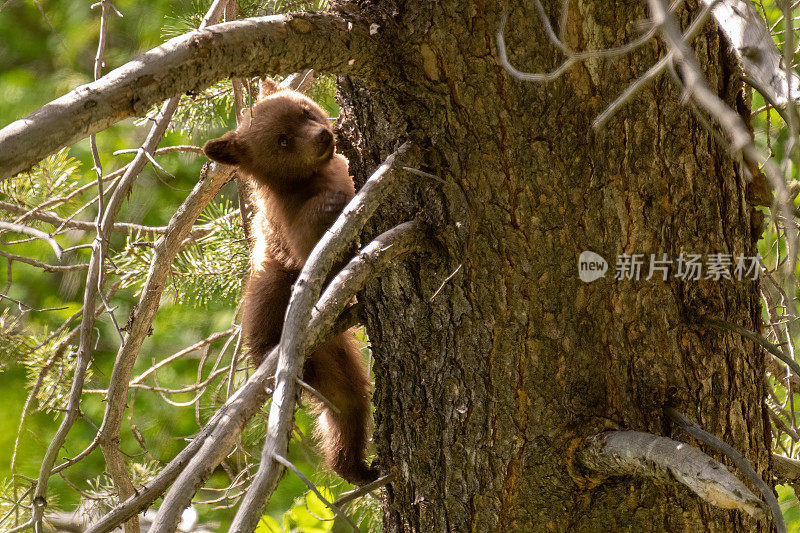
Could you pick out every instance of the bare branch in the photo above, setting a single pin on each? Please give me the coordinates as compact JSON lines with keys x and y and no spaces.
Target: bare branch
{"x":44,"y":266}
{"x":211,"y":443}
{"x":108,"y":436}
{"x":91,"y":293}
{"x":744,"y":466}
{"x":177,"y":355}
{"x":191,"y":62}
{"x":166,"y":248}
{"x":318,"y":395}
{"x":753,"y":44}
{"x":55,"y":220}
{"x":572,"y":56}
{"x":368,"y":263}
{"x":198,"y":460}
{"x":33,"y":232}
{"x":758,"y":339}
{"x":626,"y":453}
{"x":652,"y":73}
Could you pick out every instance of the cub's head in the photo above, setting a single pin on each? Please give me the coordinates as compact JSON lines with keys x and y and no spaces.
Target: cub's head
{"x":286,"y":139}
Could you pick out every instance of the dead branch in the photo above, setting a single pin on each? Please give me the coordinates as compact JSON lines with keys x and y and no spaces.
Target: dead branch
{"x":55,"y":220}
{"x":367,"y":264}
{"x":188,"y":63}
{"x":758,"y":339}
{"x":652,"y":73}
{"x":108,"y":436}
{"x":753,"y":44}
{"x":32,"y":232}
{"x":634,"y":453}
{"x":741,"y":463}
{"x":44,"y":266}
{"x":105,"y":222}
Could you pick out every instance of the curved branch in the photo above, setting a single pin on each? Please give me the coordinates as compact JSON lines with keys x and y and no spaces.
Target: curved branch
{"x":105,"y":221}
{"x":624,"y":453}
{"x":188,"y":63}
{"x":378,"y":254}
{"x":744,"y":466}
{"x":32,"y":232}
{"x":753,"y":44}
{"x":755,"y":337}
{"x":167,"y":247}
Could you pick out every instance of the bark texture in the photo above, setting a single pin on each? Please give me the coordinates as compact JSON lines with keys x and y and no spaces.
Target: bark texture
{"x":484,"y":392}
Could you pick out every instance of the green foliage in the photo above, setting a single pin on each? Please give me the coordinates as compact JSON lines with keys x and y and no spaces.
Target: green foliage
{"x":56,"y":175}
{"x":8,"y":510}
{"x":209,"y":110}
{"x":309,"y":514}
{"x":55,"y":363}
{"x":789,"y":507}
{"x":210,"y":269}
{"x":15,"y":341}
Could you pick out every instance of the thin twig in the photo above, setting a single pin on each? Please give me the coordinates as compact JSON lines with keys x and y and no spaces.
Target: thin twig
{"x":364,"y":489}
{"x":332,"y":506}
{"x":33,"y":232}
{"x":44,"y":266}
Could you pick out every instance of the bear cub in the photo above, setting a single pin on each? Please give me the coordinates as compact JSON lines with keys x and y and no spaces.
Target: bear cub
{"x":286,"y":148}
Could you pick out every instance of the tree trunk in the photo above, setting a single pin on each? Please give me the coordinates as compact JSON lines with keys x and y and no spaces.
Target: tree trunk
{"x":484,"y":392}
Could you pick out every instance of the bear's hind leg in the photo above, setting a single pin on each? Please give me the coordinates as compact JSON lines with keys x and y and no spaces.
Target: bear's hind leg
{"x":337,"y":371}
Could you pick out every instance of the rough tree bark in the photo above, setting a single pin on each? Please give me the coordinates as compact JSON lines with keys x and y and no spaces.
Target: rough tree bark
{"x":484,"y":392}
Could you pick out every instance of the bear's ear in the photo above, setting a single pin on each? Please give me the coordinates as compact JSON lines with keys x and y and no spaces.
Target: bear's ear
{"x":227,"y":149}
{"x":268,"y":87}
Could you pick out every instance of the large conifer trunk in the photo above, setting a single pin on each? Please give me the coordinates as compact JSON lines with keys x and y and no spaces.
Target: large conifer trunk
{"x":484,"y":392}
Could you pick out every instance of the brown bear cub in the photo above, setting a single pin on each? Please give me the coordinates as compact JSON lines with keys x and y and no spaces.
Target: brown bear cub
{"x":285,"y":147}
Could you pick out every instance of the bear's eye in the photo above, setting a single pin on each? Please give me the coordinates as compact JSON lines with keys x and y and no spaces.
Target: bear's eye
{"x":283,"y":140}
{"x":307,"y":114}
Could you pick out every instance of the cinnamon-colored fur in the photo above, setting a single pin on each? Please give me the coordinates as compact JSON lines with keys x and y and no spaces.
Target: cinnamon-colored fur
{"x":300,"y":185}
